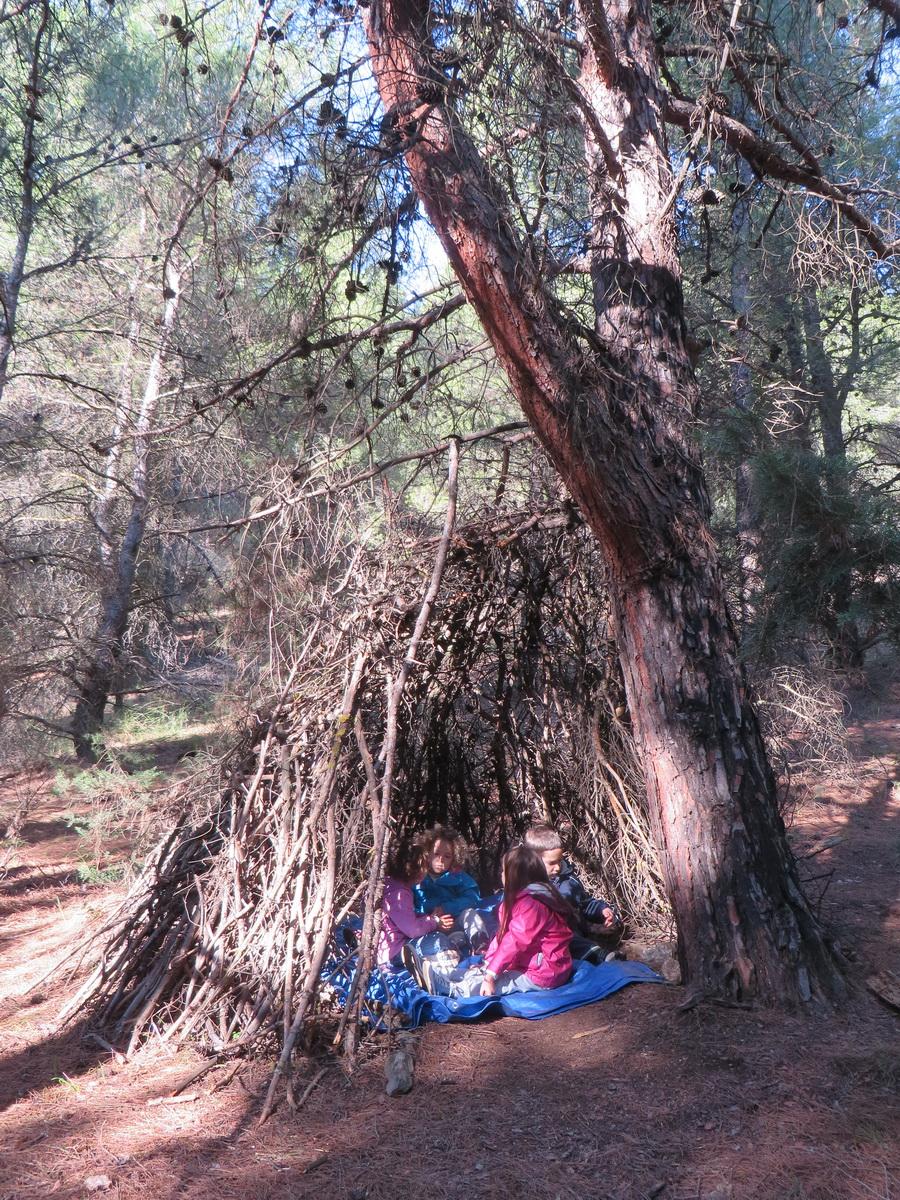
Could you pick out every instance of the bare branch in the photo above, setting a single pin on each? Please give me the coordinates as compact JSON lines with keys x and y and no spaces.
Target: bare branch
{"x":379,"y":469}
{"x":768,"y":160}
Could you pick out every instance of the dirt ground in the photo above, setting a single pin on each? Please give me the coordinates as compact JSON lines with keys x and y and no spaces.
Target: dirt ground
{"x":625,"y":1100}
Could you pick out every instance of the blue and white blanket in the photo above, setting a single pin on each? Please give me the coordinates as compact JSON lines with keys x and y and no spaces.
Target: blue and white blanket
{"x":590,"y":982}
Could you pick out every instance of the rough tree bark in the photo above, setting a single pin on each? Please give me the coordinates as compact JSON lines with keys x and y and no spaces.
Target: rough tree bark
{"x":614,"y":418}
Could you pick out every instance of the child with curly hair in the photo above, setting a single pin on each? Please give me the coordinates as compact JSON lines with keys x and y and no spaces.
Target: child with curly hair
{"x":447,"y":888}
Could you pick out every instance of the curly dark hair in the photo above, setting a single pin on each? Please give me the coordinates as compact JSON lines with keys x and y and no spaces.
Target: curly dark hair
{"x":443,"y":833}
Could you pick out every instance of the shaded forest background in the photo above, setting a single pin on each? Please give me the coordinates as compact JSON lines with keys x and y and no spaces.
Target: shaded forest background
{"x":233,"y":358}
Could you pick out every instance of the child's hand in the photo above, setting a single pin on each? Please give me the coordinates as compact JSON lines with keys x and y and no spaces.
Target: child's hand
{"x":445,"y":921}
{"x":488,"y":985}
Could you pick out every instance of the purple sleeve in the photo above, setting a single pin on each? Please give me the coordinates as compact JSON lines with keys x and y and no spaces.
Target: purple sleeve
{"x":398,"y":904}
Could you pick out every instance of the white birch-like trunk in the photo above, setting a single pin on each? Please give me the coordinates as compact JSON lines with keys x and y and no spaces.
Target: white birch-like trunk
{"x":105,"y":649}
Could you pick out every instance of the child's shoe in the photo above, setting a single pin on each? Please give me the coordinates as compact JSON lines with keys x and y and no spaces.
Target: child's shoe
{"x":595,"y":955}
{"x":428,"y":972}
{"x":415,"y":964}
{"x":476,"y":932}
{"x":428,"y":977}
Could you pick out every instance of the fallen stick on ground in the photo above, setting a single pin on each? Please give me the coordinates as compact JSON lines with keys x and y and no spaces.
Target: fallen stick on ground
{"x":193,"y":1077}
{"x":225,"y":1080}
{"x":307,"y":1091}
{"x":101,"y":1041}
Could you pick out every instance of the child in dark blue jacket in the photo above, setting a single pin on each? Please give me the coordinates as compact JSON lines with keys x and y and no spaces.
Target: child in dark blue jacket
{"x":595,"y":916}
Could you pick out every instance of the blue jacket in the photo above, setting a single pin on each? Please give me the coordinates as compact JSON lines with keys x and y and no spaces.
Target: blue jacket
{"x":453,"y":891}
{"x":587,"y":907}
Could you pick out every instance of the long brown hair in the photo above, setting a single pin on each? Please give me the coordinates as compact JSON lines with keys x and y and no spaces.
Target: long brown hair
{"x":522,"y":866}
{"x":406,"y":858}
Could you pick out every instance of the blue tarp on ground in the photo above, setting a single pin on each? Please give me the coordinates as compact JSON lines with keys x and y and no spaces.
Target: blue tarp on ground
{"x":589,"y":983}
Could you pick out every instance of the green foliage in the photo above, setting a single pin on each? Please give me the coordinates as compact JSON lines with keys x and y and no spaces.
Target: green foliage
{"x":98,"y":876}
{"x":115,"y":803}
{"x":832,"y":552}
{"x":147,"y":723}
{"x":101,"y":782}
{"x":80,"y":823}
{"x":66,"y":1083}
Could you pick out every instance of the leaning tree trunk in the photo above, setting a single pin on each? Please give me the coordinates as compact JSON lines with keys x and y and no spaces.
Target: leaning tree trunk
{"x":614,"y":419}
{"x":103,"y":661}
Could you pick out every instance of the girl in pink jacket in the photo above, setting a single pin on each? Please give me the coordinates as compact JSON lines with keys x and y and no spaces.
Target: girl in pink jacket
{"x":531,"y":948}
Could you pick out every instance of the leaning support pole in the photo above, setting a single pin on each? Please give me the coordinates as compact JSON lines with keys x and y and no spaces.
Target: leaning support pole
{"x":380,"y":799}
{"x":380,"y":812}
{"x":321,"y":945}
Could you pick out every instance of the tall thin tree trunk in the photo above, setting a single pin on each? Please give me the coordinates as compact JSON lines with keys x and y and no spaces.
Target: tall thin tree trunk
{"x":830,"y":397}
{"x":615,"y":422}
{"x":106,"y":647}
{"x":747,"y":520}
{"x":797,"y":405}
{"x":112,"y":484}
{"x":11,"y":282}
{"x":829,"y":402}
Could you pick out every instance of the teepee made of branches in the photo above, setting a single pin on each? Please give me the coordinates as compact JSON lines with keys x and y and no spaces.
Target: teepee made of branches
{"x":467,"y":678}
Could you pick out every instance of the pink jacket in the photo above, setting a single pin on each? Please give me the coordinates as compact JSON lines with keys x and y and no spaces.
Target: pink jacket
{"x":399,"y":920}
{"x":536,"y":941}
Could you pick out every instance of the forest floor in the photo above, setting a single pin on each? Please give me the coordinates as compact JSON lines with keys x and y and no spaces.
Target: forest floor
{"x":626,"y":1100}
